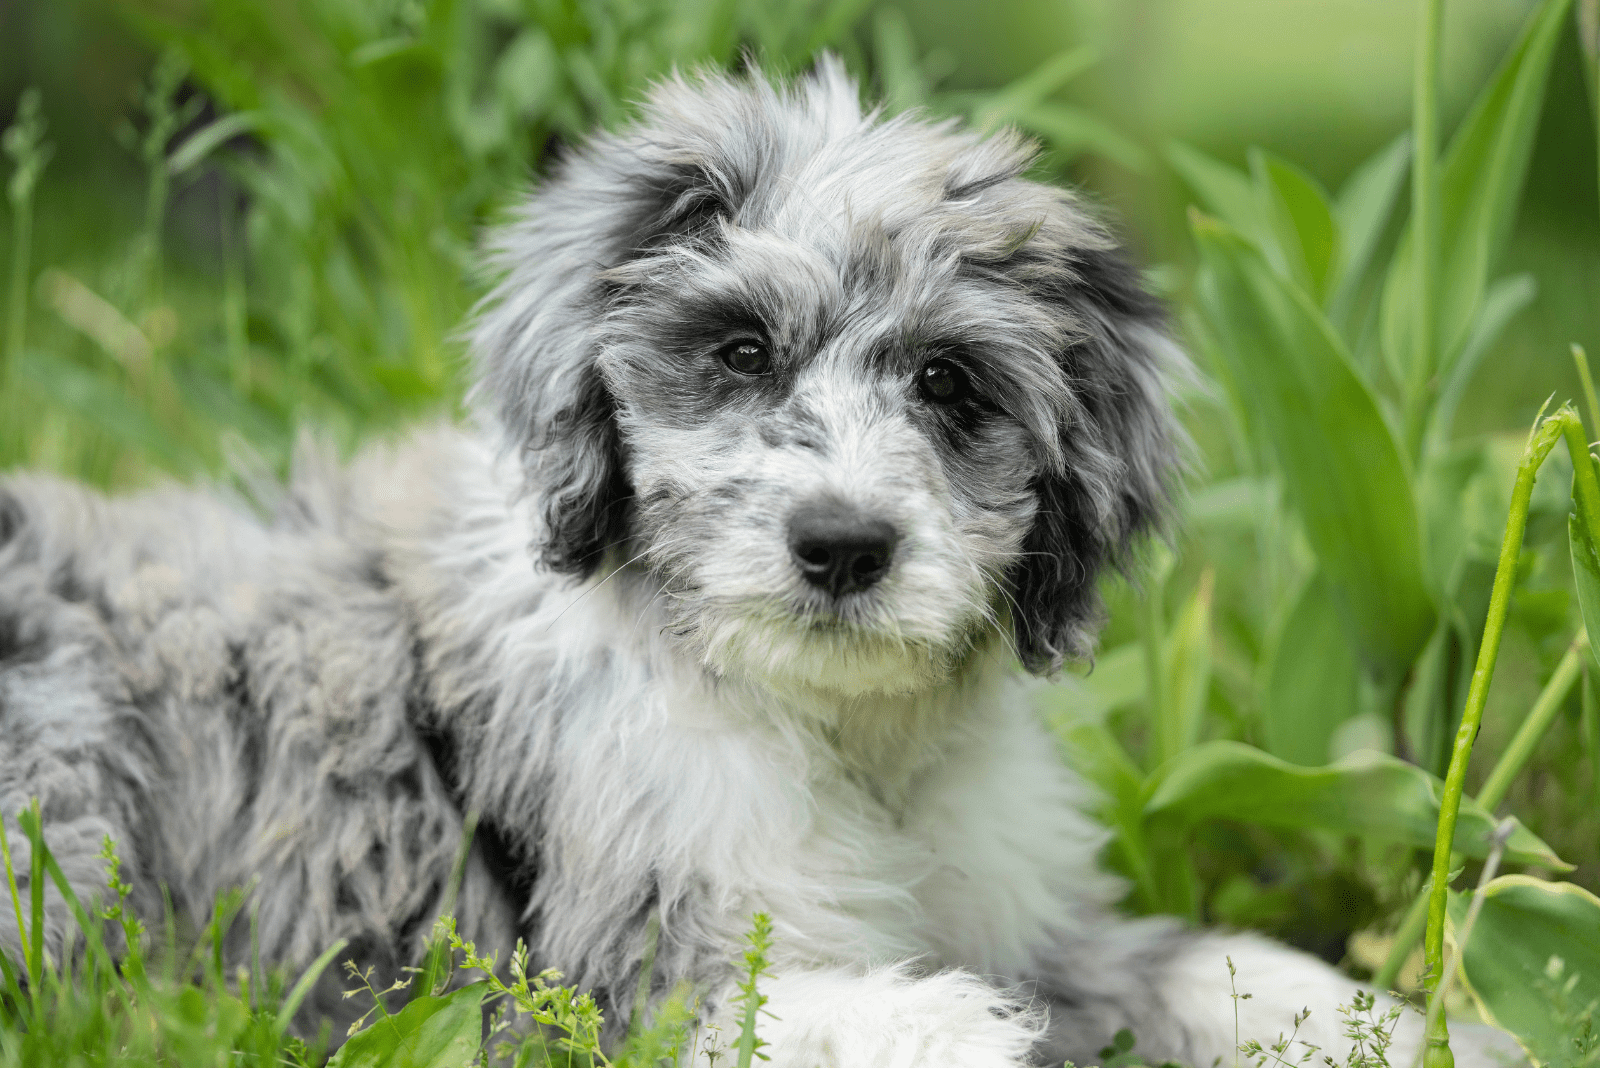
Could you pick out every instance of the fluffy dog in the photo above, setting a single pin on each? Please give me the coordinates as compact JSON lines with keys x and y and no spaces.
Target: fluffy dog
{"x":815,"y":421}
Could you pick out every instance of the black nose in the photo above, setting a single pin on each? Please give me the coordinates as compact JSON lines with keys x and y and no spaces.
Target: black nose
{"x":839,"y":549}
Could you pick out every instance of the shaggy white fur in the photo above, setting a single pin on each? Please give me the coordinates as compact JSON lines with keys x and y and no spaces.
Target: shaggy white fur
{"x":757,"y":315}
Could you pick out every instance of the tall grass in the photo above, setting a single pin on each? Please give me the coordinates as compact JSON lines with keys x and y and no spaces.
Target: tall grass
{"x":1340,"y":559}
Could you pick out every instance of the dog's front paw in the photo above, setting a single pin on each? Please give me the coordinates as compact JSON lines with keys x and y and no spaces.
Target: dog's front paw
{"x":889,"y":1018}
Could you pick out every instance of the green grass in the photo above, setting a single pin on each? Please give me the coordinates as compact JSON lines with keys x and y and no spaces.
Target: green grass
{"x":280,"y":233}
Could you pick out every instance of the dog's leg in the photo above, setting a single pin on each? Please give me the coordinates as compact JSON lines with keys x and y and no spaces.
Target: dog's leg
{"x":887,"y":1018}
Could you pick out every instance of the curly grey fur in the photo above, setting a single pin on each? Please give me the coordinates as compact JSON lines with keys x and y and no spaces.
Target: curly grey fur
{"x":653,"y":714}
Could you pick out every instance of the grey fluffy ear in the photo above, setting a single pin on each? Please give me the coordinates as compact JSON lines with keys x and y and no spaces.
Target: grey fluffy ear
{"x":1118,"y":443}
{"x":537,"y":336}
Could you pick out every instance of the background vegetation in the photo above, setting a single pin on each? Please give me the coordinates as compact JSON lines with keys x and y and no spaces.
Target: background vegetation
{"x":232,"y":219}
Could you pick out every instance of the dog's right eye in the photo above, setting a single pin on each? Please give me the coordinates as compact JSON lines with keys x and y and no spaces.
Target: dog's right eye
{"x":747,"y":358}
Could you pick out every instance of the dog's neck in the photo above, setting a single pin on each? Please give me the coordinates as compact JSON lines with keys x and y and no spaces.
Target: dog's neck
{"x":513,"y":655}
{"x":887,"y":735}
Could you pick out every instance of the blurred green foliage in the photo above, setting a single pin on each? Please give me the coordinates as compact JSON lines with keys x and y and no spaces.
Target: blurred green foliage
{"x":262,"y":214}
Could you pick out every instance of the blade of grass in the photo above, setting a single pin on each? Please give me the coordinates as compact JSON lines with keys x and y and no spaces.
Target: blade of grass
{"x":1581,"y":358}
{"x":1515,"y":757}
{"x":1540,"y":717}
{"x":35,"y":833}
{"x":1424,"y":215}
{"x":1564,"y":424}
{"x":302,"y":987}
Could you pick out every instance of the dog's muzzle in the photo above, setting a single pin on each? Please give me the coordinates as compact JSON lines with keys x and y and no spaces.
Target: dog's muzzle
{"x":839,"y":548}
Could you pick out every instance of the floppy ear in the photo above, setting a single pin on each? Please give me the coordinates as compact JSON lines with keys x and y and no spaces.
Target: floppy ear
{"x":537,"y":336}
{"x":1118,"y":443}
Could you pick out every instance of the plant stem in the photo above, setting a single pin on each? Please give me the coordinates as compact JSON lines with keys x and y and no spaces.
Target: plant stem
{"x":1581,"y":359}
{"x":1544,"y":438}
{"x":1493,"y":792}
{"x":1424,"y":216}
{"x":1534,"y":727}
{"x":1511,"y":763}
{"x":1502,"y":832}
{"x":17,"y":308}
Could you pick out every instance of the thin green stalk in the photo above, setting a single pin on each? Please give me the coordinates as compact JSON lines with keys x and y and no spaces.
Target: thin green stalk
{"x":24,"y":142}
{"x":17,"y":305}
{"x":1543,"y":713}
{"x":1511,"y":763}
{"x":1491,"y":865}
{"x":1589,"y":38}
{"x":1586,"y":494}
{"x":1545,"y":436}
{"x":1424,"y":215}
{"x":16,"y":899}
{"x":1581,"y":359}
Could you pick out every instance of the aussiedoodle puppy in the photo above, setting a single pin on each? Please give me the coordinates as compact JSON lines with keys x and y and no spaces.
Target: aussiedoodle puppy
{"x":796,"y":427}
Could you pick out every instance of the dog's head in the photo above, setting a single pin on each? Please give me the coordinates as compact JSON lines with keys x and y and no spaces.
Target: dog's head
{"x":854,"y":392}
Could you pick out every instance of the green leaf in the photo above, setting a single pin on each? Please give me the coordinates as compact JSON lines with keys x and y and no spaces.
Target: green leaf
{"x":1224,"y":191}
{"x":900,"y":76}
{"x":1480,"y":185}
{"x":1340,"y":464}
{"x":1296,"y":210}
{"x":1311,"y":678}
{"x":1069,"y":130}
{"x":101,"y":403}
{"x":1366,"y":793}
{"x":1362,"y":210}
{"x":832,"y":23}
{"x":1533,"y":962}
{"x":1427,"y":712}
{"x":1117,"y":678}
{"x":1187,"y":662}
{"x":205,"y":140}
{"x":430,"y":1032}
{"x":1032,"y":88}
{"x":1505,"y":298}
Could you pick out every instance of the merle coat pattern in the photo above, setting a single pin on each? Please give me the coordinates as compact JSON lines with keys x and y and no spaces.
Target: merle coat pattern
{"x":585,"y":617}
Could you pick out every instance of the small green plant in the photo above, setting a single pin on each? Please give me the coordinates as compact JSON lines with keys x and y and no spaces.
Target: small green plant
{"x":105,"y":998}
{"x":750,"y":999}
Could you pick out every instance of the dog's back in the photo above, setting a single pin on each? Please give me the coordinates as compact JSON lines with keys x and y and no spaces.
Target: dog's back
{"x":227,"y":696}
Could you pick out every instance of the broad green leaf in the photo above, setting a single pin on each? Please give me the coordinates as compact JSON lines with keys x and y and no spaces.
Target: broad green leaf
{"x":1117,"y":678}
{"x":1365,"y":793}
{"x":1224,"y":191}
{"x":1032,"y":88}
{"x":1187,"y":663}
{"x":1302,"y":225}
{"x":900,"y":76}
{"x":1505,"y":298}
{"x":1311,"y":680}
{"x":832,"y":22}
{"x":528,"y":73}
{"x":1427,"y":713}
{"x":1532,"y":960}
{"x":1586,"y":574}
{"x":1232,"y":502}
{"x":430,"y":1032}
{"x":1341,"y":467}
{"x":102,"y":403}
{"x":1069,"y":129}
{"x":1362,"y":210}
{"x":1480,"y":185}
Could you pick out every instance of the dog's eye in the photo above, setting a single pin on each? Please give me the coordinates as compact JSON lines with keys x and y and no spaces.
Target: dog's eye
{"x":944,"y":382}
{"x":747,"y":358}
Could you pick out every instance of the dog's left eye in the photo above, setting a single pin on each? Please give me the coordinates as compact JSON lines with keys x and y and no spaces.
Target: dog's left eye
{"x":747,"y":358}
{"x":944,"y":382}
